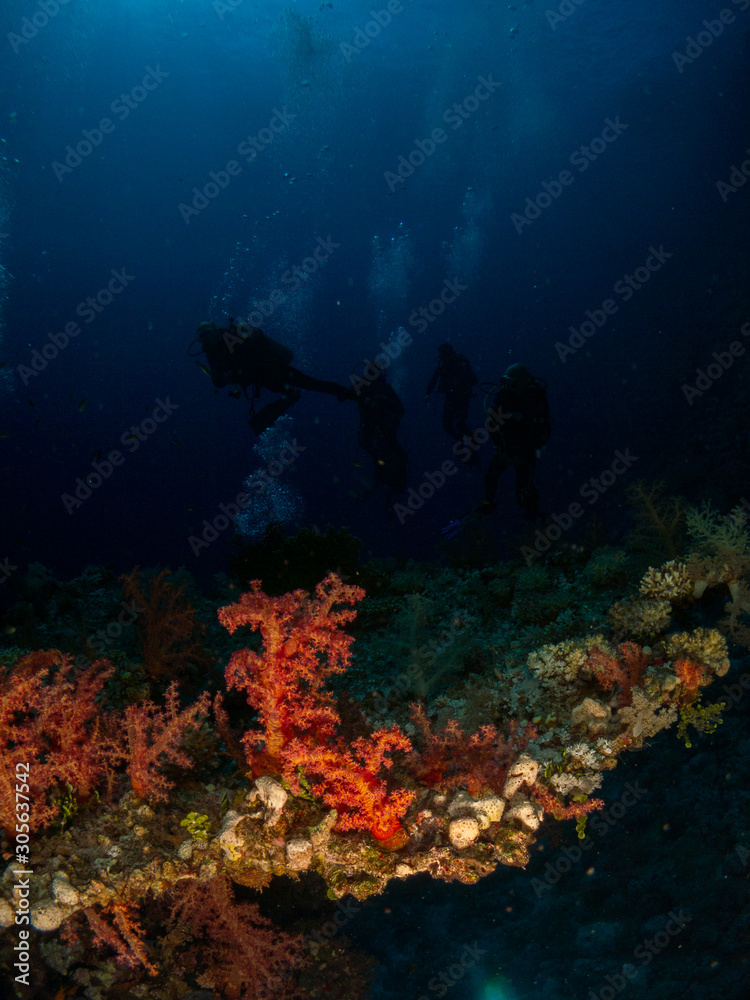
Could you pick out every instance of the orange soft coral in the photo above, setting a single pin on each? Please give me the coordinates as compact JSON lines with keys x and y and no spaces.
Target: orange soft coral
{"x":351,"y":782}
{"x":303,"y":645}
{"x":692,"y":676}
{"x":51,"y":734}
{"x":168,"y":632}
{"x":624,"y":670}
{"x":154,"y":735}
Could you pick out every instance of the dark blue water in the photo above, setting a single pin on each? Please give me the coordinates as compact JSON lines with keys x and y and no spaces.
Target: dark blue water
{"x":167,"y":94}
{"x":213,"y":79}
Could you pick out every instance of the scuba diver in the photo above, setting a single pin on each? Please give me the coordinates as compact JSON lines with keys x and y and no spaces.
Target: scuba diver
{"x":380,"y":413}
{"x":243,"y":357}
{"x":455,"y":379}
{"x":519,"y":428}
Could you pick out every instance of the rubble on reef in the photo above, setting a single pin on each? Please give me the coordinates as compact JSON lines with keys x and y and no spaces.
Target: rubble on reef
{"x":354,"y":788}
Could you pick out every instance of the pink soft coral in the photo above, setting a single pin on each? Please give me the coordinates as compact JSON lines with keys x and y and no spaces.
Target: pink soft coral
{"x":303,"y":645}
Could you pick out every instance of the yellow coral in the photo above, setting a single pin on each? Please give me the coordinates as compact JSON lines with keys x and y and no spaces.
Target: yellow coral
{"x":669,"y":582}
{"x":705,"y":646}
{"x":642,"y":619}
{"x":722,"y":551}
{"x":560,"y":663}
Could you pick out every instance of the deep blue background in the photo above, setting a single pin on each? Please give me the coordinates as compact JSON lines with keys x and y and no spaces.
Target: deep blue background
{"x":324,"y":175}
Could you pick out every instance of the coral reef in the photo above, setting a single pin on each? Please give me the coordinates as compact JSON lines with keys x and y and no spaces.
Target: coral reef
{"x":358,"y":792}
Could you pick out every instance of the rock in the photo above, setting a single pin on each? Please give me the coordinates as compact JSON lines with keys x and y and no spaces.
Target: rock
{"x":523,"y":771}
{"x":524,"y":811}
{"x":63,"y":891}
{"x":46,"y":915}
{"x":299,"y":853}
{"x":231,"y":843}
{"x":273,"y":796}
{"x":463,"y":831}
{"x":7,"y":917}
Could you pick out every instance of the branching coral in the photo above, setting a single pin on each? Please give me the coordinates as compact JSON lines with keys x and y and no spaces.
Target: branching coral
{"x":670,"y":582}
{"x":722,"y":548}
{"x":50,"y":727}
{"x":704,"y":645}
{"x":558,"y":665}
{"x":641,"y":619}
{"x":304,"y":644}
{"x":168,"y":631}
{"x":154,"y":735}
{"x":453,"y":758}
{"x":241,"y":953}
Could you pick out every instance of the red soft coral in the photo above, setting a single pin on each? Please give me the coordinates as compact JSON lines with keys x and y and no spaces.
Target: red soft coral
{"x":238,"y":951}
{"x":351,"y":781}
{"x":624,"y":670}
{"x":303,"y":645}
{"x":125,"y":934}
{"x":50,"y":733}
{"x":154,"y":736}
{"x":168,"y":632}
{"x":551,"y":804}
{"x":453,"y":758}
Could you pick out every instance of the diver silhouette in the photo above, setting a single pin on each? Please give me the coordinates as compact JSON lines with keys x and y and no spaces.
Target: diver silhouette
{"x":523,"y":428}
{"x":247,"y":360}
{"x":520,"y":427}
{"x":455,"y":379}
{"x":380,"y":413}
